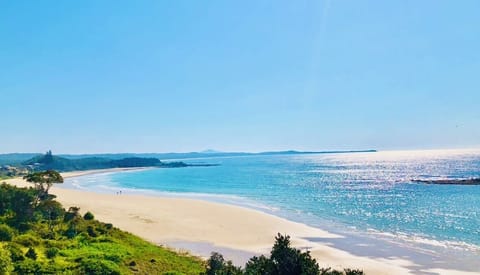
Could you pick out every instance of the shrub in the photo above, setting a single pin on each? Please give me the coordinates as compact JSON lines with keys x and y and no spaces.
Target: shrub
{"x":349,"y":271}
{"x":286,"y":260}
{"x":27,"y":240}
{"x":6,"y":233}
{"x":31,"y":254}
{"x":91,"y":231}
{"x":71,"y":232}
{"x":100,"y":267}
{"x":16,"y":253}
{"x":5,"y":261}
{"x":71,"y":214}
{"x":51,"y":252}
{"x":28,"y":267}
{"x":88,"y":216}
{"x":216,"y":265}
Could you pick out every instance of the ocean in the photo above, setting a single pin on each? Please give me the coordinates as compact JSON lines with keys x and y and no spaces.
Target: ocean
{"x":367,"y":196}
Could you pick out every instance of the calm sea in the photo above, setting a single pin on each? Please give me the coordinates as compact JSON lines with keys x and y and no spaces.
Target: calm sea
{"x":367,"y":193}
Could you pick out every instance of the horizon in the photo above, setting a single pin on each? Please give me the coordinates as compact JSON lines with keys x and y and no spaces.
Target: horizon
{"x":101,"y":77}
{"x":464,"y":149}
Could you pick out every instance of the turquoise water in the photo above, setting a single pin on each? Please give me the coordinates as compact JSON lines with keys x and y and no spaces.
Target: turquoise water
{"x":361,"y":192}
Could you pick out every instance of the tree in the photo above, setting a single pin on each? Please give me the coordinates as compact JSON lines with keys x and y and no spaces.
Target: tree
{"x":216,"y":265}
{"x":284,"y":260}
{"x":52,"y":211}
{"x":43,"y":181}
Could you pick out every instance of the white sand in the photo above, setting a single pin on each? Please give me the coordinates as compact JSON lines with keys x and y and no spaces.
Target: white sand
{"x":163,"y":220}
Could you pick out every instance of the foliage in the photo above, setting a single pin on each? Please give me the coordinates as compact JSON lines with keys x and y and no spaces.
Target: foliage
{"x":17,"y":205}
{"x":55,"y":241}
{"x":88,"y":216}
{"x":283,"y":260}
{"x":51,"y":252}
{"x":6,"y":233}
{"x":31,"y":253}
{"x":5,"y":261}
{"x":44,"y":180}
{"x":16,"y":253}
{"x":100,"y":267}
{"x":216,"y":265}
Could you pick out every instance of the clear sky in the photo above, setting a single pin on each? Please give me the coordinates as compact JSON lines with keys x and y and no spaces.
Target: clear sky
{"x":160,"y":76}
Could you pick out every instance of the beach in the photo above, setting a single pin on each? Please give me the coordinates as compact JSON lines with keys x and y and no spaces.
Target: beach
{"x":201,"y":226}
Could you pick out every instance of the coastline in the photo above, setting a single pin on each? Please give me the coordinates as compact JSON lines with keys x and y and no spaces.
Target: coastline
{"x":201,"y":226}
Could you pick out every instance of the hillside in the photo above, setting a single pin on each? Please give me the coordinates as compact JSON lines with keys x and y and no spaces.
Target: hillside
{"x":40,"y":237}
{"x":51,"y":162}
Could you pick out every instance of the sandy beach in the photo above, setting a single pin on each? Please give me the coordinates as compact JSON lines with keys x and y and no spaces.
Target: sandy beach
{"x":182,"y":223}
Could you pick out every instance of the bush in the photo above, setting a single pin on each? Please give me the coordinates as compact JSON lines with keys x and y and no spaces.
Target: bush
{"x":283,"y":260}
{"x":28,"y":267}
{"x":31,"y":254}
{"x":91,"y":231}
{"x":349,"y":271}
{"x":217,"y":265}
{"x":16,"y":254}
{"x":100,"y":267}
{"x":51,"y":252}
{"x":88,"y":216}
{"x":6,"y":233}
{"x":27,"y":240}
{"x":5,"y":261}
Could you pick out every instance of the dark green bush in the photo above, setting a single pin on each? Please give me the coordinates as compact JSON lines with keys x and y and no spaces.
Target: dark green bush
{"x":216,"y":265}
{"x":15,"y":252}
{"x":88,"y":216}
{"x":51,"y":252}
{"x":31,"y":254}
{"x":91,"y":231}
{"x":349,"y":271}
{"x":6,"y":233}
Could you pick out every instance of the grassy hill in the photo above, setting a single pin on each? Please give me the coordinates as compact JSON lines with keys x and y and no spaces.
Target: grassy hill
{"x":40,"y":237}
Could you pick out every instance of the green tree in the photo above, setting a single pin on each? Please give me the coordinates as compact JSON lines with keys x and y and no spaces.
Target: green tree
{"x":43,"y":181}
{"x":216,"y":265}
{"x":17,"y":205}
{"x":51,"y":211}
{"x":6,"y":233}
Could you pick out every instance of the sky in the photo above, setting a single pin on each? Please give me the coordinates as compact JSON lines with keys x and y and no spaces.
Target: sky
{"x":180,"y":76}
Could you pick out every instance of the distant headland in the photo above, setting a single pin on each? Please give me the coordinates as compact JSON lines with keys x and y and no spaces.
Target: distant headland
{"x":15,"y":164}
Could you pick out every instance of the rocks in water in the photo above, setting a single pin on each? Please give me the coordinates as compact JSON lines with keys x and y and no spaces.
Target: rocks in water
{"x":473,"y":181}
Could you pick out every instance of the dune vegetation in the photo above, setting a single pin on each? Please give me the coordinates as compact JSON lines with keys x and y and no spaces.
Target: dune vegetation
{"x":38,"y":236}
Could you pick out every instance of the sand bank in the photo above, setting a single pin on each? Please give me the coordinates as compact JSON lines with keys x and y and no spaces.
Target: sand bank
{"x":180,"y":221}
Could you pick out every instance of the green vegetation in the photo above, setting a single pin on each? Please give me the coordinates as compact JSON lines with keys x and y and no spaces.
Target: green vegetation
{"x":283,"y":260}
{"x":38,"y":236}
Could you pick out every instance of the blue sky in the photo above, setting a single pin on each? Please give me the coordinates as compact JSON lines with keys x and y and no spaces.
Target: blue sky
{"x":158,"y":76}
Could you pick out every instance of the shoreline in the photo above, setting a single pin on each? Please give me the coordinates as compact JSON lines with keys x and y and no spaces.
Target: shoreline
{"x":235,"y":231}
